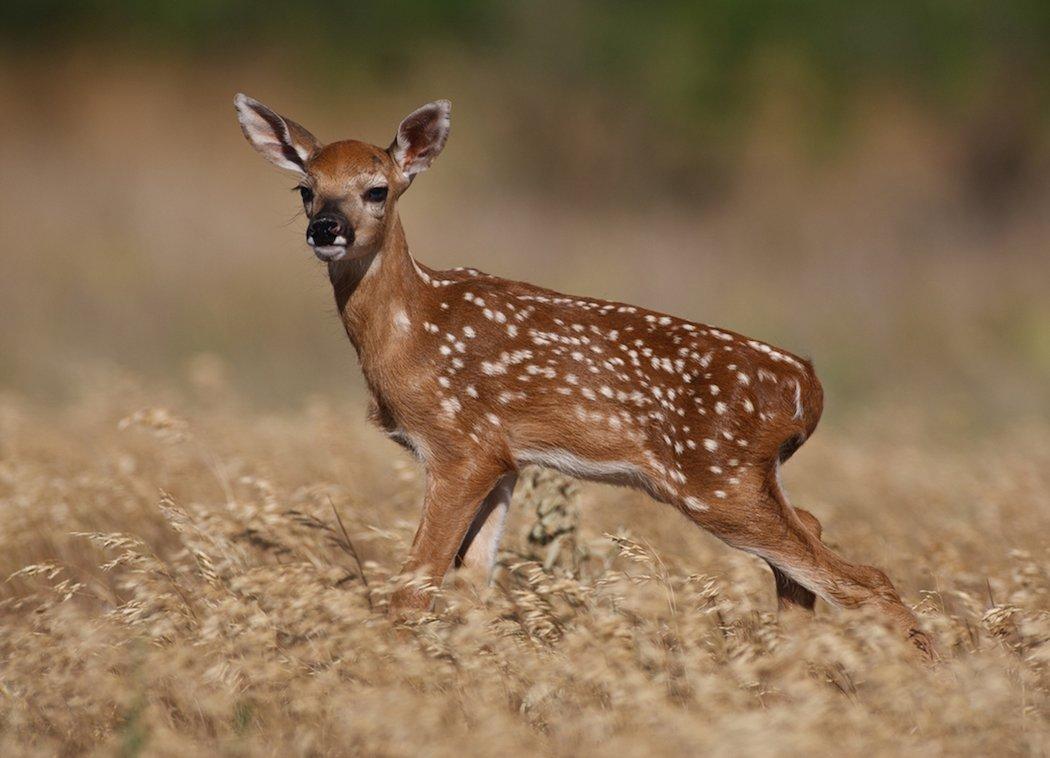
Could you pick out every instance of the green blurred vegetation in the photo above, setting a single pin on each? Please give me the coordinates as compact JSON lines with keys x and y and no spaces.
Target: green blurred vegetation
{"x":687,"y":78}
{"x":688,"y":59}
{"x":702,"y":48}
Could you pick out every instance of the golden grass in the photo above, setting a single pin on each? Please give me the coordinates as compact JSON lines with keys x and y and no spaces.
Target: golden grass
{"x":179,"y":585}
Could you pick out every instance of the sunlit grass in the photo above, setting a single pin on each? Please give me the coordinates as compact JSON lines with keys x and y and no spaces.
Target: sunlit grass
{"x":179,"y":582}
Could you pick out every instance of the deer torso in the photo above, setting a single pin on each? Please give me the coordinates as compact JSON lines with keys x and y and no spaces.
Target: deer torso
{"x":460,"y":360}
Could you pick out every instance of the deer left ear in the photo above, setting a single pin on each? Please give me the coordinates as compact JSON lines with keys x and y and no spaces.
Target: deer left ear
{"x":421,"y":136}
{"x":280,"y":140}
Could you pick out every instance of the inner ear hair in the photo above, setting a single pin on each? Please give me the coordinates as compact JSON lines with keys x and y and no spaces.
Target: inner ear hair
{"x":421,"y":136}
{"x":282,"y":141}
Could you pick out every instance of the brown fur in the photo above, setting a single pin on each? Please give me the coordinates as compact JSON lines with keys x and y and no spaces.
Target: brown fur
{"x":479,"y":375}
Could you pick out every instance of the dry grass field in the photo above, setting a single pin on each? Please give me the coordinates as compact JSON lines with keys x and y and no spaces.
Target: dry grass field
{"x":199,"y":533}
{"x":179,"y":583}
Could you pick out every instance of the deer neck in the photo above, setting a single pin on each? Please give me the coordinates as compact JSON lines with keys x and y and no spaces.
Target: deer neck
{"x":376,"y":292}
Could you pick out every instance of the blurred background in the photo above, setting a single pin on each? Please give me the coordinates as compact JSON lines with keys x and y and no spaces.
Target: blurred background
{"x":865,"y":183}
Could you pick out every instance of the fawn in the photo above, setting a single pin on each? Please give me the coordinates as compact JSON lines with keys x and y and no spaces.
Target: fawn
{"x":478,"y":376}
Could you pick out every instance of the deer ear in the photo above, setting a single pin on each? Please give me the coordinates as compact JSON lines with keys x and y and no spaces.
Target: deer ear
{"x":280,"y":140}
{"x":421,"y":136}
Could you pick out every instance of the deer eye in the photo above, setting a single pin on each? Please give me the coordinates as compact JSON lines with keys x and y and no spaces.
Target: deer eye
{"x":376,"y":194}
{"x":306,"y":193}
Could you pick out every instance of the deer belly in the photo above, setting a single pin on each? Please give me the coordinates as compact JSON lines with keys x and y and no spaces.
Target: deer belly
{"x":623,"y":473}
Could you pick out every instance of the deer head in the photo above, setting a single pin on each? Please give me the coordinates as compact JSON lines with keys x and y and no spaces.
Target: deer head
{"x":349,"y":189}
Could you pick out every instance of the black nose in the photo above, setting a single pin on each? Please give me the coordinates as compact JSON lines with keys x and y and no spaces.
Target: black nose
{"x":324,"y":230}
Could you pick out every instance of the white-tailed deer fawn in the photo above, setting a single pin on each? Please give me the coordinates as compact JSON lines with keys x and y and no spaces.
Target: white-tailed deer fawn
{"x":478,"y":376}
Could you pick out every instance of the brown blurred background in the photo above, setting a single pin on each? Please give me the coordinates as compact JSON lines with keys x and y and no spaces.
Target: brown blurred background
{"x":865,"y":183}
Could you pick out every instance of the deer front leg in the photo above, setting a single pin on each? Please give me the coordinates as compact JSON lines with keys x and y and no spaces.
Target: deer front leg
{"x":477,"y":555}
{"x":454,"y":495}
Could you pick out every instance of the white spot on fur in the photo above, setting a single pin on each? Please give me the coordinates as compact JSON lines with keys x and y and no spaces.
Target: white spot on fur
{"x":695,"y":504}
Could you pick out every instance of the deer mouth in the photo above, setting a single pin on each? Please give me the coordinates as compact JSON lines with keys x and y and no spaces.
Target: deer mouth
{"x":329,"y":253}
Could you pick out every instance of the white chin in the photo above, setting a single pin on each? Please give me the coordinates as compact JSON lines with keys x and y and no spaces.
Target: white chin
{"x":328,"y":253}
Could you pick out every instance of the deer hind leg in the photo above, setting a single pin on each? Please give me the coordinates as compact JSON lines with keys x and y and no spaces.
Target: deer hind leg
{"x":769,"y":527}
{"x":791,"y":595}
{"x":454,"y":493}
{"x":477,"y":555}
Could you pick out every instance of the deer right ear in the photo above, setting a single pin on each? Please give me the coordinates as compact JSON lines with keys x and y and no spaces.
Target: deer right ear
{"x":280,"y":140}
{"x":420,"y":137}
